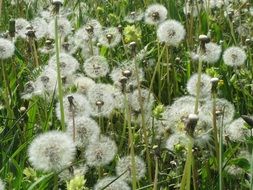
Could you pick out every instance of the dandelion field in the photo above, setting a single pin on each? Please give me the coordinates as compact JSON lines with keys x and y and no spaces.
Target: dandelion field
{"x":120,"y":95}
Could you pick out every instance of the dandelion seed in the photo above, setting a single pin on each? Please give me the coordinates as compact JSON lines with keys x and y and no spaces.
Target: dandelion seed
{"x":81,"y":107}
{"x":64,"y":28}
{"x":100,"y":152}
{"x":86,"y":131}
{"x":51,"y":151}
{"x":7,"y":48}
{"x":205,"y":85}
{"x":155,"y":14}
{"x":68,"y":64}
{"x":171,"y":32}
{"x":234,"y":56}
{"x":124,"y":165}
{"x":96,"y":66}
{"x":110,"y":37}
{"x":116,"y":185}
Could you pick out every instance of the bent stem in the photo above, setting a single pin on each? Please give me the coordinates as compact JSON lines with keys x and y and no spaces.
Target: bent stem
{"x":59,"y":81}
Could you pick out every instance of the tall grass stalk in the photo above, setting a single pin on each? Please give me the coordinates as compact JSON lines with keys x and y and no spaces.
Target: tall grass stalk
{"x":59,"y":80}
{"x":221,"y":156}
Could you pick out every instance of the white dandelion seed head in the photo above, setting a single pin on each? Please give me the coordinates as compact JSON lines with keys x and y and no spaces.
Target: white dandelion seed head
{"x":100,"y":152}
{"x":116,"y":185}
{"x":70,"y":46}
{"x":234,"y":170}
{"x":87,"y":52}
{"x":109,"y":37}
{"x":79,"y":107}
{"x":134,"y":16}
{"x":212,"y":53}
{"x":205,"y":85}
{"x":51,"y":151}
{"x":155,"y":14}
{"x":7,"y":48}
{"x":161,"y":128}
{"x":137,"y":98}
{"x":118,"y":97}
{"x":131,"y":83}
{"x":83,"y":84}
{"x":96,"y":66}
{"x":95,"y":25}
{"x":68,"y":64}
{"x":171,"y":32}
{"x":203,"y":139}
{"x":177,"y":139}
{"x":237,"y":130}
{"x":2,"y":186}
{"x":234,"y":56}
{"x":46,"y":83}
{"x":81,"y":37}
{"x":124,"y":166}
{"x":101,"y":100}
{"x":86,"y":131}
{"x":46,"y":15}
{"x":226,"y":108}
{"x":20,"y":27}
{"x":28,"y":92}
{"x":64,"y":27}
{"x":40,"y":27}
{"x":191,"y":9}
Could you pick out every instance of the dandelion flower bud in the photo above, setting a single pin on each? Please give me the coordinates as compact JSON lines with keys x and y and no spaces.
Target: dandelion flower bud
{"x":205,"y":85}
{"x":155,"y":14}
{"x":171,"y":32}
{"x":124,"y":165}
{"x":96,"y":66}
{"x":116,"y":185}
{"x":234,"y":56}
{"x":100,"y":152}
{"x":7,"y":48}
{"x":51,"y":151}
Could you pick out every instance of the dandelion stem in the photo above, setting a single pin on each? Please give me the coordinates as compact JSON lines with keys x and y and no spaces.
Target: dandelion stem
{"x":35,"y":53}
{"x":156,"y":174}
{"x":221,"y":154}
{"x":215,"y":131}
{"x":59,"y":81}
{"x":198,"y":87}
{"x":55,"y":182}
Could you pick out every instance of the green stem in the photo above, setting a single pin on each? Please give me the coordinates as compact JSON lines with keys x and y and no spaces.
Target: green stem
{"x":221,"y":157}
{"x":59,"y":81}
{"x":55,"y":182}
{"x":215,"y":130}
{"x":156,"y":174}
{"x":198,"y":87}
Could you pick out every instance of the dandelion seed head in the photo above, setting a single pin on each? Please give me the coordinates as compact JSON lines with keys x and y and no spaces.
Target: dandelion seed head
{"x":46,"y":83}
{"x":40,"y":27}
{"x":237,"y":130}
{"x":80,"y":107}
{"x":28,"y":90}
{"x":86,"y":131}
{"x":124,"y":166}
{"x":51,"y":151}
{"x":234,"y":170}
{"x":226,"y":108}
{"x":100,"y":152}
{"x":68,"y":64}
{"x":116,"y":185}
{"x":2,"y":186}
{"x":155,"y":14}
{"x":191,"y":9}
{"x":96,"y":66}
{"x":177,"y":140}
{"x":171,"y":32}
{"x":64,"y":27}
{"x":7,"y":48}
{"x":234,"y":56}
{"x":20,"y":26}
{"x":134,"y":16}
{"x":95,"y":27}
{"x":109,"y":37}
{"x":212,"y":53}
{"x":101,"y":100}
{"x":83,"y":84}
{"x":205,"y":85}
